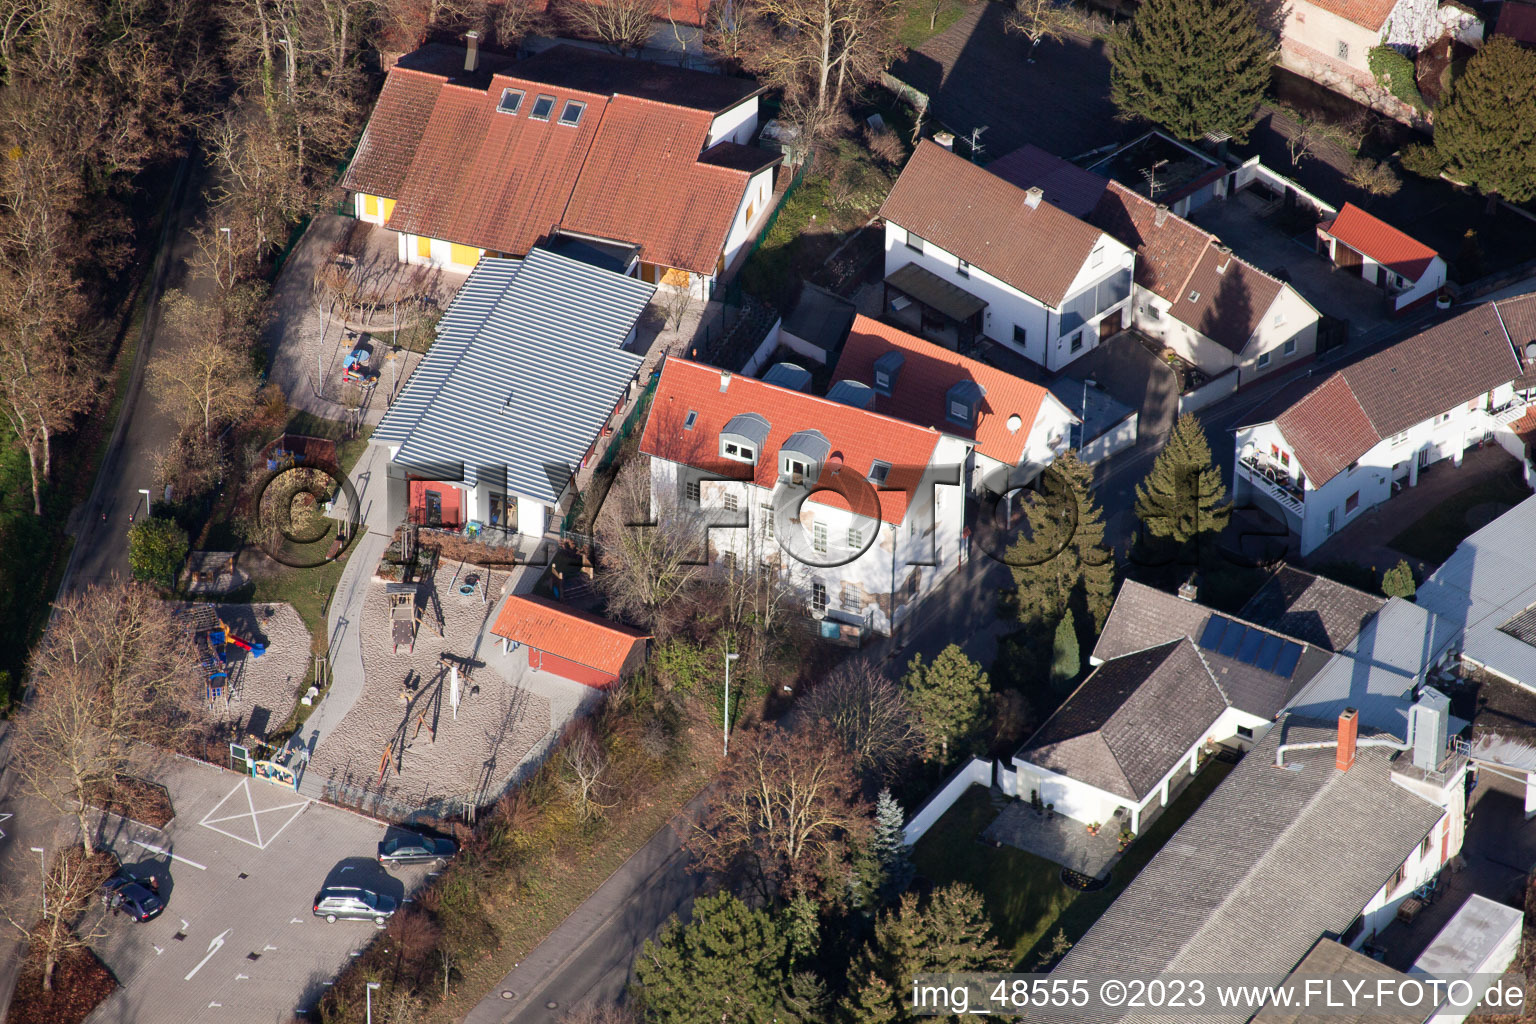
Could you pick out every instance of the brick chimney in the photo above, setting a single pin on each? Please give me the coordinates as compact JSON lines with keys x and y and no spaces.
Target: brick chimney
{"x":1349,"y":730}
{"x":471,"y":51}
{"x":1161,"y":217}
{"x":1032,"y":196}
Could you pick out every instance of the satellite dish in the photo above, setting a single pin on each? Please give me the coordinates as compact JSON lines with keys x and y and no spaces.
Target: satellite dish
{"x":1014,"y":423}
{"x":1530,"y":350}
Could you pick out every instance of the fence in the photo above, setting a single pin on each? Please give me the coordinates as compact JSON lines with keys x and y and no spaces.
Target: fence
{"x":1211,"y":391}
{"x":615,"y":443}
{"x":974,"y":772}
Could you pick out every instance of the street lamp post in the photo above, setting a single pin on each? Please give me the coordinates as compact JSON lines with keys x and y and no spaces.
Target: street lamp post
{"x":372,"y":987}
{"x":229,"y":241}
{"x":43,"y":860}
{"x":145,"y":491}
{"x":726,"y":724}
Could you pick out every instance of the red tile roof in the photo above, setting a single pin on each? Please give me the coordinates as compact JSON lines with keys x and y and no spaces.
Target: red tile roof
{"x":1381,"y":242}
{"x":1371,"y":14}
{"x":983,"y":219}
{"x":927,"y":375}
{"x":1436,"y":370}
{"x":567,"y":632}
{"x":460,"y":171}
{"x":857,"y":437}
{"x":1226,"y":299}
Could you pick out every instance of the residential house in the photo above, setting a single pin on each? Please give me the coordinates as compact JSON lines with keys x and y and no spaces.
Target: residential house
{"x":1330,"y":41}
{"x":1321,"y":831}
{"x":1190,"y":293}
{"x":1330,"y":958}
{"x":1105,"y":425}
{"x":968,"y":253}
{"x":1214,"y":309}
{"x":860,"y":513}
{"x":1313,"y":609}
{"x":568,"y":642}
{"x":1012,"y":428}
{"x":530,"y":361}
{"x":1326,"y":449}
{"x":467,"y":155}
{"x":1407,"y":270}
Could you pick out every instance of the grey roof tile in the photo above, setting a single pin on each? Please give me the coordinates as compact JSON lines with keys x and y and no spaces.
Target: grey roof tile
{"x":1313,"y":608}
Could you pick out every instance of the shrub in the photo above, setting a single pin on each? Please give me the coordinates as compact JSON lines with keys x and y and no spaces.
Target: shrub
{"x":156,"y":549}
{"x":1422,"y":160}
{"x":1395,"y":71}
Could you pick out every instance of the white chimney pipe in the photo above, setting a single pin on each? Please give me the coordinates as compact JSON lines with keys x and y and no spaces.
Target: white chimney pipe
{"x":472,"y":51}
{"x":1162,"y":214}
{"x":1032,"y":196}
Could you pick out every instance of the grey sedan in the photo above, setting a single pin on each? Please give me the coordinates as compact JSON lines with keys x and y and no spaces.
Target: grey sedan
{"x":340,"y":902}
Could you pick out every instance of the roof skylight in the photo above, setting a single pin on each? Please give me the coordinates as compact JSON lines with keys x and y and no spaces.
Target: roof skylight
{"x":511,"y":100}
{"x":541,"y":108}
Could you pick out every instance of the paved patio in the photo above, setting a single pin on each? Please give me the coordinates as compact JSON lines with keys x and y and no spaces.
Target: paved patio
{"x":1059,"y":839}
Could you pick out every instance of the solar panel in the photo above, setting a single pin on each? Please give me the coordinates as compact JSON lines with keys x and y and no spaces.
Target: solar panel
{"x":1232,"y":639}
{"x":1268,"y":653}
{"x":1211,"y":638}
{"x":1249,"y":652}
{"x":1288,"y":659}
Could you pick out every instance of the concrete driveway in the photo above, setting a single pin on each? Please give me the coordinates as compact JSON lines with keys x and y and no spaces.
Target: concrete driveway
{"x":239,"y":866}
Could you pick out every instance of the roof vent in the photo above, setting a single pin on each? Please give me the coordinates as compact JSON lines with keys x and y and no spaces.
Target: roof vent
{"x":1015,"y":421}
{"x":1032,"y":196}
{"x":1162,"y":214}
{"x":725,"y":380}
{"x":471,"y":50}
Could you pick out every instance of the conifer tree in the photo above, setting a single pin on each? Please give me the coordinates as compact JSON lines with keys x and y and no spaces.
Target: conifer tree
{"x":889,"y":846}
{"x":947,"y":695}
{"x":1061,"y":555}
{"x":1193,"y":66}
{"x":1485,"y":135}
{"x":1398,"y":581}
{"x":1066,"y":661}
{"x":1183,"y":497}
{"x":726,"y":964}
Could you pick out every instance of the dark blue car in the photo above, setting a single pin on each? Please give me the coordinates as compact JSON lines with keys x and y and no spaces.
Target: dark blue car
{"x":122,"y":892}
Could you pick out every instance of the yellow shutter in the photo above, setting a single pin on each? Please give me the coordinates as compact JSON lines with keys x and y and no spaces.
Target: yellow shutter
{"x":389,"y":209}
{"x":464,"y":255}
{"x":370,"y":206}
{"x":424,"y":247}
{"x":675,"y":277}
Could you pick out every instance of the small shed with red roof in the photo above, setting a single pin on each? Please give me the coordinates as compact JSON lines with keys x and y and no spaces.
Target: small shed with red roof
{"x":1409,"y":271}
{"x":573,"y":644}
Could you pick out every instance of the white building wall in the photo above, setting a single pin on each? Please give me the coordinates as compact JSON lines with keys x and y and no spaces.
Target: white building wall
{"x":756,"y":198}
{"x":738,"y":124}
{"x":1424,"y":288}
{"x":1289,"y":319}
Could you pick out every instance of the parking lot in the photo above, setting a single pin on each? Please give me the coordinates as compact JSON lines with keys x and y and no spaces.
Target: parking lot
{"x":239,"y":866}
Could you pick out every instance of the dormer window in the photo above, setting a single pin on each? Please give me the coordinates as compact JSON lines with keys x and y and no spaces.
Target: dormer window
{"x":796,"y":470}
{"x":541,"y":108}
{"x":962,"y":403}
{"x":887,"y":368}
{"x":571,"y":115}
{"x":743,"y":436}
{"x":959,"y":411}
{"x":802,"y":455}
{"x":511,"y":100}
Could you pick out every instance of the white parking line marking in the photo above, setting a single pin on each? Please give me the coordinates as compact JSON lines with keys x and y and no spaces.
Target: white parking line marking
{"x":167,"y":853}
{"x":210,"y":821}
{"x":213,"y":947}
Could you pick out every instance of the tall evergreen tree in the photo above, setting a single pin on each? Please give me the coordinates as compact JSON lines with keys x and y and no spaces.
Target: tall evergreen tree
{"x":1193,"y":66}
{"x":949,"y":933}
{"x":948,"y":695}
{"x":1183,"y":498}
{"x":889,"y":846}
{"x":726,"y":965}
{"x":1066,"y":660}
{"x":1485,"y":135}
{"x":1061,"y":555}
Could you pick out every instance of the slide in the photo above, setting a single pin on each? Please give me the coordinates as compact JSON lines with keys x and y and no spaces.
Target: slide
{"x":257,"y":650}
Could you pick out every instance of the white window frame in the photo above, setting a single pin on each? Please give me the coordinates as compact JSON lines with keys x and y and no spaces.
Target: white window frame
{"x":1263,"y":361}
{"x":855,"y":538}
{"x":819,"y":538}
{"x":1290,"y":347}
{"x":819,"y":596}
{"x":692,"y":491}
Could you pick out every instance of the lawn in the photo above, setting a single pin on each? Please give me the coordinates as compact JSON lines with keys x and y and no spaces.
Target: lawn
{"x":1023,"y":893}
{"x":924,"y":19}
{"x":1434,"y":536}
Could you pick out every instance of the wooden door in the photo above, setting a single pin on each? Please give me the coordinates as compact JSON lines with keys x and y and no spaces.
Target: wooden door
{"x":1111,"y":325}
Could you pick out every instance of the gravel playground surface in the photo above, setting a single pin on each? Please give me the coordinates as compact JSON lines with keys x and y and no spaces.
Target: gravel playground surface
{"x":268,"y":684}
{"x":436,"y":757}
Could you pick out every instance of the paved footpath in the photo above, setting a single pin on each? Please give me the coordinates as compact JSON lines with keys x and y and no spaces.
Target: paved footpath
{"x":588,"y":956}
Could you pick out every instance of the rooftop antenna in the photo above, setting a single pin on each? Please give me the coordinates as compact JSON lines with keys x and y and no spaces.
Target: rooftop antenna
{"x":1150,"y":173}
{"x":975,"y":143}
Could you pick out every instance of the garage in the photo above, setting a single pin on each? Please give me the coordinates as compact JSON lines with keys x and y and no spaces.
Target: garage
{"x":572,"y":644}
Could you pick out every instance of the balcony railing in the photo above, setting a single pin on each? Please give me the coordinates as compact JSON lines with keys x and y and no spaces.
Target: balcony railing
{"x":1509,"y":413}
{"x":1274,"y":482}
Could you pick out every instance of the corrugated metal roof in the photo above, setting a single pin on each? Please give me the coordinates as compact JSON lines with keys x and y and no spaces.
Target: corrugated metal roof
{"x":526,"y":368}
{"x":1490,"y":580}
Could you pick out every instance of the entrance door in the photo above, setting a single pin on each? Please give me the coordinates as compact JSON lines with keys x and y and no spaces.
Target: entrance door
{"x":433,"y":500}
{"x":1111,"y":325}
{"x":504,"y":512}
{"x":1424,"y":457}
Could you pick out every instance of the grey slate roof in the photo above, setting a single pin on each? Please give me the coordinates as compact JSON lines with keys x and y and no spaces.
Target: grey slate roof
{"x":526,"y":367}
{"x":1377,"y":671}
{"x":1131,"y":720}
{"x":1275,"y":858}
{"x":1144,"y":617}
{"x":1490,"y":580}
{"x":1316,"y":609}
{"x":1330,"y":959}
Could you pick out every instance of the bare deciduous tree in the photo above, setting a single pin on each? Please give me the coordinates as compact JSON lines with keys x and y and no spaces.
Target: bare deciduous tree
{"x":784,"y":808}
{"x":1373,"y":177}
{"x":867,"y":713}
{"x":61,"y":752}
{"x":584,"y":769}
{"x":649,"y":553}
{"x":1038,"y":20}
{"x":59,"y":909}
{"x":819,"y":50}
{"x":209,"y":380}
{"x":624,"y":26}
{"x":594,"y":1013}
